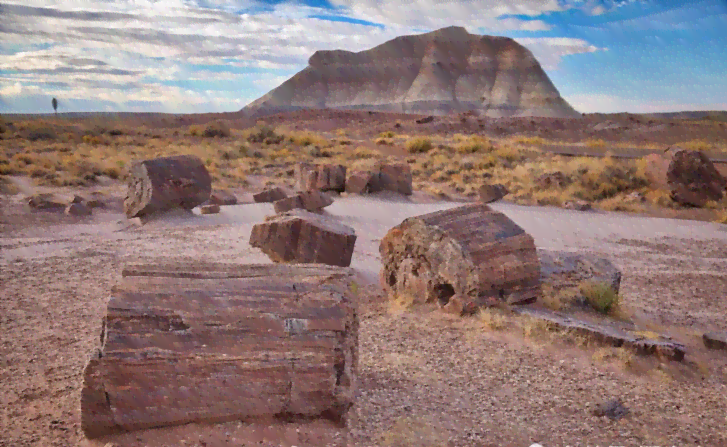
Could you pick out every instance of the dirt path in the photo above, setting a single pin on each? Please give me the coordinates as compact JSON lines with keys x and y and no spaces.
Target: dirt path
{"x":426,"y":379}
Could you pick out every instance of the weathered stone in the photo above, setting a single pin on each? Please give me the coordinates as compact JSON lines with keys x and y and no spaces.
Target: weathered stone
{"x":313,"y":201}
{"x":328,"y":177}
{"x":567,"y":270}
{"x":551,"y":179}
{"x":471,"y":251}
{"x":690,"y":176}
{"x":207,"y":343}
{"x":395,"y":177}
{"x":45,"y":201}
{"x":577,"y":205}
{"x":78,"y":209}
{"x":492,"y":193}
{"x":425,"y":120}
{"x":609,"y":335}
{"x":223,"y":198}
{"x":360,"y":182}
{"x":166,"y":183}
{"x":269,"y":195}
{"x":715,"y":340}
{"x":209,"y":209}
{"x":612,"y":409}
{"x":300,"y":236}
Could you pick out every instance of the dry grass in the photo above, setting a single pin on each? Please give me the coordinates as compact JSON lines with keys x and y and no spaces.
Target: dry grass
{"x":472,"y":144}
{"x":419,"y":145}
{"x":595,"y":143}
{"x":600,"y":296}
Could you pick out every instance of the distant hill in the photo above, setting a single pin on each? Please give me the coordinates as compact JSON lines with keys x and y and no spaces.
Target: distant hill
{"x":445,"y":71}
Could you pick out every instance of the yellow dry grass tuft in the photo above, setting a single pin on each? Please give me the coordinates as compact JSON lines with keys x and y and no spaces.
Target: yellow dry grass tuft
{"x":419,"y":145}
{"x":600,"y":296}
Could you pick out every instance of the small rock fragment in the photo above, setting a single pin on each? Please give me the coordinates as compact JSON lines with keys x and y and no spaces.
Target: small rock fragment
{"x":577,"y":205}
{"x":612,"y":409}
{"x":492,"y":193}
{"x":269,"y":195}
{"x":78,"y":209}
{"x":715,"y":340}
{"x":223,"y":198}
{"x":209,"y":209}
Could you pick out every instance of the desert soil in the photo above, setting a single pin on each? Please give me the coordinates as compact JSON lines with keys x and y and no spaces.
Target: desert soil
{"x":426,"y":379}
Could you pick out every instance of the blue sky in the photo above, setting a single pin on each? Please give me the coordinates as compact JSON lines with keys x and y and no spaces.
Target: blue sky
{"x":185,"y":56}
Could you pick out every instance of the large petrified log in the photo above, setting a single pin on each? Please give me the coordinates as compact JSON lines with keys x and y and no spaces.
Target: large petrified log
{"x":300,"y":236}
{"x":395,"y":177}
{"x":690,"y":176}
{"x":195,"y":342}
{"x":313,"y":201}
{"x":470,"y":255}
{"x":166,"y":183}
{"x":326,"y":177}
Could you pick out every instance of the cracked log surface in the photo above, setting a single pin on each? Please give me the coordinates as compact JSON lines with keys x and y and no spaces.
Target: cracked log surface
{"x":472,"y":252}
{"x":206,"y":343}
{"x":166,"y":183}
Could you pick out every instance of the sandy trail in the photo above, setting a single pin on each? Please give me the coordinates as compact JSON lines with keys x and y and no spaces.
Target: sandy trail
{"x":426,"y":380}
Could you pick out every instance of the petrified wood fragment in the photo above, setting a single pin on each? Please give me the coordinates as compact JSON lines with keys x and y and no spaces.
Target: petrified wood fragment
{"x":223,"y":198}
{"x":312,"y":201}
{"x":492,"y":193}
{"x":269,"y":195}
{"x":166,"y":183}
{"x":207,"y":343}
{"x":472,"y":252}
{"x":327,"y":177}
{"x":690,"y":176}
{"x":300,"y":236}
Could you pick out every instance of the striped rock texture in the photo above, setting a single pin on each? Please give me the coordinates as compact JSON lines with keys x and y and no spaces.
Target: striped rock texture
{"x":209,"y":343}
{"x":465,"y":257}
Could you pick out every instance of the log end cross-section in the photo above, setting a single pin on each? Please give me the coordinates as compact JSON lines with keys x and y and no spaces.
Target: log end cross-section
{"x":470,"y":254}
{"x":209,"y":343}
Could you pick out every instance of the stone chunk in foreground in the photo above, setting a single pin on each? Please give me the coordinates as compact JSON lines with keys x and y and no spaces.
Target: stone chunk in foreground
{"x":299,"y":236}
{"x":209,"y":343}
{"x":472,"y":252}
{"x":269,"y":195}
{"x":313,"y":201}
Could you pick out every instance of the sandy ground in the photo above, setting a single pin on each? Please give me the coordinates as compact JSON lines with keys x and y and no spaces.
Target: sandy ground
{"x":426,"y":379}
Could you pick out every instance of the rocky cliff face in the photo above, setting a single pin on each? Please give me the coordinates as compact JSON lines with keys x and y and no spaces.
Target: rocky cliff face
{"x":444,"y":71}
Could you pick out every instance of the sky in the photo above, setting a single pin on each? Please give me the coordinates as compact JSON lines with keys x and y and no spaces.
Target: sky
{"x":199,"y":56}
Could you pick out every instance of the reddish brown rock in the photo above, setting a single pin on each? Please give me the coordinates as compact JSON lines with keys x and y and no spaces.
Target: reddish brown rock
{"x":209,"y":209}
{"x":313,"y":201}
{"x":715,"y":340}
{"x":222,"y":198}
{"x":269,"y":195}
{"x":209,"y":343}
{"x":167,"y":183}
{"x":299,"y":236}
{"x":492,"y":193}
{"x":472,"y":252}
{"x":361,"y":182}
{"x":328,"y":177}
{"x":78,"y":209}
{"x":395,"y":177}
{"x":45,"y":202}
{"x":690,"y":176}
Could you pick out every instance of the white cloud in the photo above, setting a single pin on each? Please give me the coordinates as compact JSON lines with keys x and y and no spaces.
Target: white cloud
{"x":601,"y":103}
{"x":550,"y":50}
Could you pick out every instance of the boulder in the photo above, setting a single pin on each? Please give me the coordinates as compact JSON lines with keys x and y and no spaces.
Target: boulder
{"x":313,"y":201}
{"x":562,"y":269}
{"x":209,"y":209}
{"x":325,"y":177}
{"x":472,"y":252}
{"x":690,"y":176}
{"x":362,"y":182}
{"x":715,"y":340}
{"x":269,"y":195}
{"x":299,"y":236}
{"x":166,"y":183}
{"x":222,"y":198}
{"x":78,"y":209}
{"x":45,"y":201}
{"x":395,"y":177}
{"x":492,"y":193}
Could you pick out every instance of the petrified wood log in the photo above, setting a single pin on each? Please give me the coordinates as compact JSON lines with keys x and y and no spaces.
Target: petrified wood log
{"x":223,"y":198}
{"x":472,"y":252}
{"x":166,"y":183}
{"x":209,"y":343}
{"x":609,"y":335}
{"x":269,"y":195}
{"x":395,"y":177}
{"x":328,"y":177}
{"x":492,"y":193}
{"x":300,"y":236}
{"x":690,"y":176}
{"x":312,"y":201}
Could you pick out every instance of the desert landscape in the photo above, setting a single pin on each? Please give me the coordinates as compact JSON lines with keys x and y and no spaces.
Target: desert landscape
{"x":513,"y":272}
